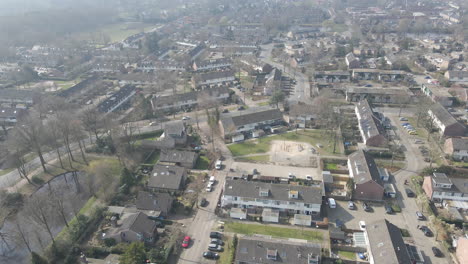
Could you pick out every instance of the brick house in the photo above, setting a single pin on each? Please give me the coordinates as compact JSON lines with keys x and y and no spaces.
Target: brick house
{"x":445,"y":122}
{"x":440,"y":187}
{"x":370,"y":126}
{"x":457,"y":148}
{"x":367,"y":182}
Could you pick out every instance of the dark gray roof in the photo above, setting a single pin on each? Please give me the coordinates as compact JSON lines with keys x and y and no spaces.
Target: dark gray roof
{"x":190,"y":96}
{"x":457,"y":185}
{"x":443,"y":115}
{"x":174,"y":128}
{"x":11,"y":112}
{"x":459,"y":143}
{"x":255,"y":250}
{"x":215,"y":75}
{"x":166,"y":177}
{"x":154,"y":202}
{"x":368,"y":122}
{"x":441,"y":178}
{"x":278,"y":192}
{"x":340,"y":73}
{"x":386,"y":243}
{"x":139,"y":223}
{"x":106,"y":105}
{"x":363,"y":168}
{"x":177,"y":156}
{"x":271,"y":114}
{"x":7,"y":94}
{"x":214,"y":62}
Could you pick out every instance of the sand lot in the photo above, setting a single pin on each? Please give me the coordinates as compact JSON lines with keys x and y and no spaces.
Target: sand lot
{"x":293,"y":153}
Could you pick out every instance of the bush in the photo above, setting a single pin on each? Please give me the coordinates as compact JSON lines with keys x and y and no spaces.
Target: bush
{"x":119,"y":248}
{"x":96,"y":252}
{"x":13,"y":200}
{"x":109,"y":242}
{"x":36,"y":180}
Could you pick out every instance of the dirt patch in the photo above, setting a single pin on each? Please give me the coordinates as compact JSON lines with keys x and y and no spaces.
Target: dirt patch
{"x":293,"y":153}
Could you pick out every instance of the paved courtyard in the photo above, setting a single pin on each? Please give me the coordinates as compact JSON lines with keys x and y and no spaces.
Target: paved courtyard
{"x":277,"y":170}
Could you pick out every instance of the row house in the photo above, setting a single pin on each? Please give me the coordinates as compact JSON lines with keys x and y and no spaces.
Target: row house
{"x":287,"y":199}
{"x":213,"y":78}
{"x":440,"y":187}
{"x":457,"y":148}
{"x":117,"y":100}
{"x":368,"y":183}
{"x":445,"y":122}
{"x":164,"y":65}
{"x":438,"y":94}
{"x":378,"y":75}
{"x":332,"y":76}
{"x":212,"y":65}
{"x":190,"y":100}
{"x":378,"y":95}
{"x":370,"y":126}
{"x":457,"y":76}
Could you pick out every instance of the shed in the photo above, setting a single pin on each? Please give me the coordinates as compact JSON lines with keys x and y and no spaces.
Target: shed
{"x":390,"y":190}
{"x":258,"y":133}
{"x":238,"y":213}
{"x":269,"y":215}
{"x":384,"y":175}
{"x":302,"y":220}
{"x":237,"y":137}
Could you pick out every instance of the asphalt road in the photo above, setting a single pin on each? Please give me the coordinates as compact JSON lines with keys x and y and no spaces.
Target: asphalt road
{"x":302,"y":87}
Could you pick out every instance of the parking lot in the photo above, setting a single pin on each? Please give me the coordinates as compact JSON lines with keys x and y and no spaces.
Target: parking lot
{"x":351,"y":218}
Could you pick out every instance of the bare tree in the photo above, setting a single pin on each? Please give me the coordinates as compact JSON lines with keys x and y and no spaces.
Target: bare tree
{"x":38,"y":210}
{"x":31,"y":134}
{"x":54,"y":141}
{"x":65,"y":126}
{"x":78,"y":134}
{"x":91,"y":119}
{"x":23,"y":235}
{"x":57,"y":199}
{"x":104,"y":179}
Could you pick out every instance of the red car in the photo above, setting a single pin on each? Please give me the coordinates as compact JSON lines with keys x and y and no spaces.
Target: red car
{"x":186,"y":242}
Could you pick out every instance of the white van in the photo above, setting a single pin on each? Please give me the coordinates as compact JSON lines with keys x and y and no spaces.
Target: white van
{"x":209,"y":187}
{"x":331,"y":203}
{"x":218,"y":165}
{"x":212,"y":180}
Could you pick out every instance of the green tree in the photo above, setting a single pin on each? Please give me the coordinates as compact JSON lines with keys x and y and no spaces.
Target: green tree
{"x":277,"y":97}
{"x":134,"y":254}
{"x":38,"y":259}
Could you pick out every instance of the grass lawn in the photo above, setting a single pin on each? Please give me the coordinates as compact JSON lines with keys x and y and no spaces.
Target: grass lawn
{"x":225,"y":257}
{"x":331,"y":166}
{"x":263,"y":103}
{"x":87,"y":207}
{"x":116,"y":32}
{"x":397,"y":165}
{"x":3,"y":172}
{"x":347,"y":254}
{"x":261,"y":158}
{"x":262,"y":145}
{"x":405,"y":233}
{"x":250,"y":229}
{"x":202,"y":163}
{"x":153,"y":158}
{"x":67,"y":84}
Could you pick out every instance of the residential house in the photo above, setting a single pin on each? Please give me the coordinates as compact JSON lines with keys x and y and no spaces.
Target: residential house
{"x":462,"y":250}
{"x":457,"y":76}
{"x":166,"y":178}
{"x":117,"y":100}
{"x":177,"y":131}
{"x":378,"y":95}
{"x":457,"y":148}
{"x":332,"y":76}
{"x":10,"y":115}
{"x":287,"y":199}
{"x":247,"y":122}
{"x":440,"y":187}
{"x":303,"y":115}
{"x":378,"y":75}
{"x":190,"y":100}
{"x":213,"y":78}
{"x":445,"y":122}
{"x":154,"y":204}
{"x":13,"y":96}
{"x":262,"y":250}
{"x":438,"y":94}
{"x":273,"y":81}
{"x":367,"y":182}
{"x":370,"y":126}
{"x":298,"y":33}
{"x":186,"y":159}
{"x":197,"y":51}
{"x":351,"y":61}
{"x":134,"y":228}
{"x":299,"y":61}
{"x":212,"y":65}
{"x":385,"y":245}
{"x":365,"y":74}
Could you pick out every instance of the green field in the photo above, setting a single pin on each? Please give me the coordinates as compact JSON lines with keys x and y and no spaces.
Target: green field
{"x":225,"y":257}
{"x":203,"y":163}
{"x":262,"y":145}
{"x":250,"y":229}
{"x":261,"y":158}
{"x":116,"y":32}
{"x":347,"y":254}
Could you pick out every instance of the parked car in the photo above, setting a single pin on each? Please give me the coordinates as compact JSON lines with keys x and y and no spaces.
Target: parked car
{"x":308,"y":177}
{"x":240,"y":108}
{"x":409,"y":192}
{"x":209,"y":187}
{"x":403,"y":119}
{"x":210,"y":255}
{"x":420,"y":216}
{"x":351,"y":205}
{"x":427,"y":232}
{"x":418,"y":141}
{"x":413,"y":133}
{"x":186,"y":242}
{"x":362,"y":225}
{"x":215,"y":247}
{"x":388,"y":209}
{"x":366,"y":207}
{"x":217,"y":241}
{"x":203,"y":202}
{"x":437,"y":252}
{"x":215,"y":234}
{"x":225,"y":111}
{"x":185,"y":118}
